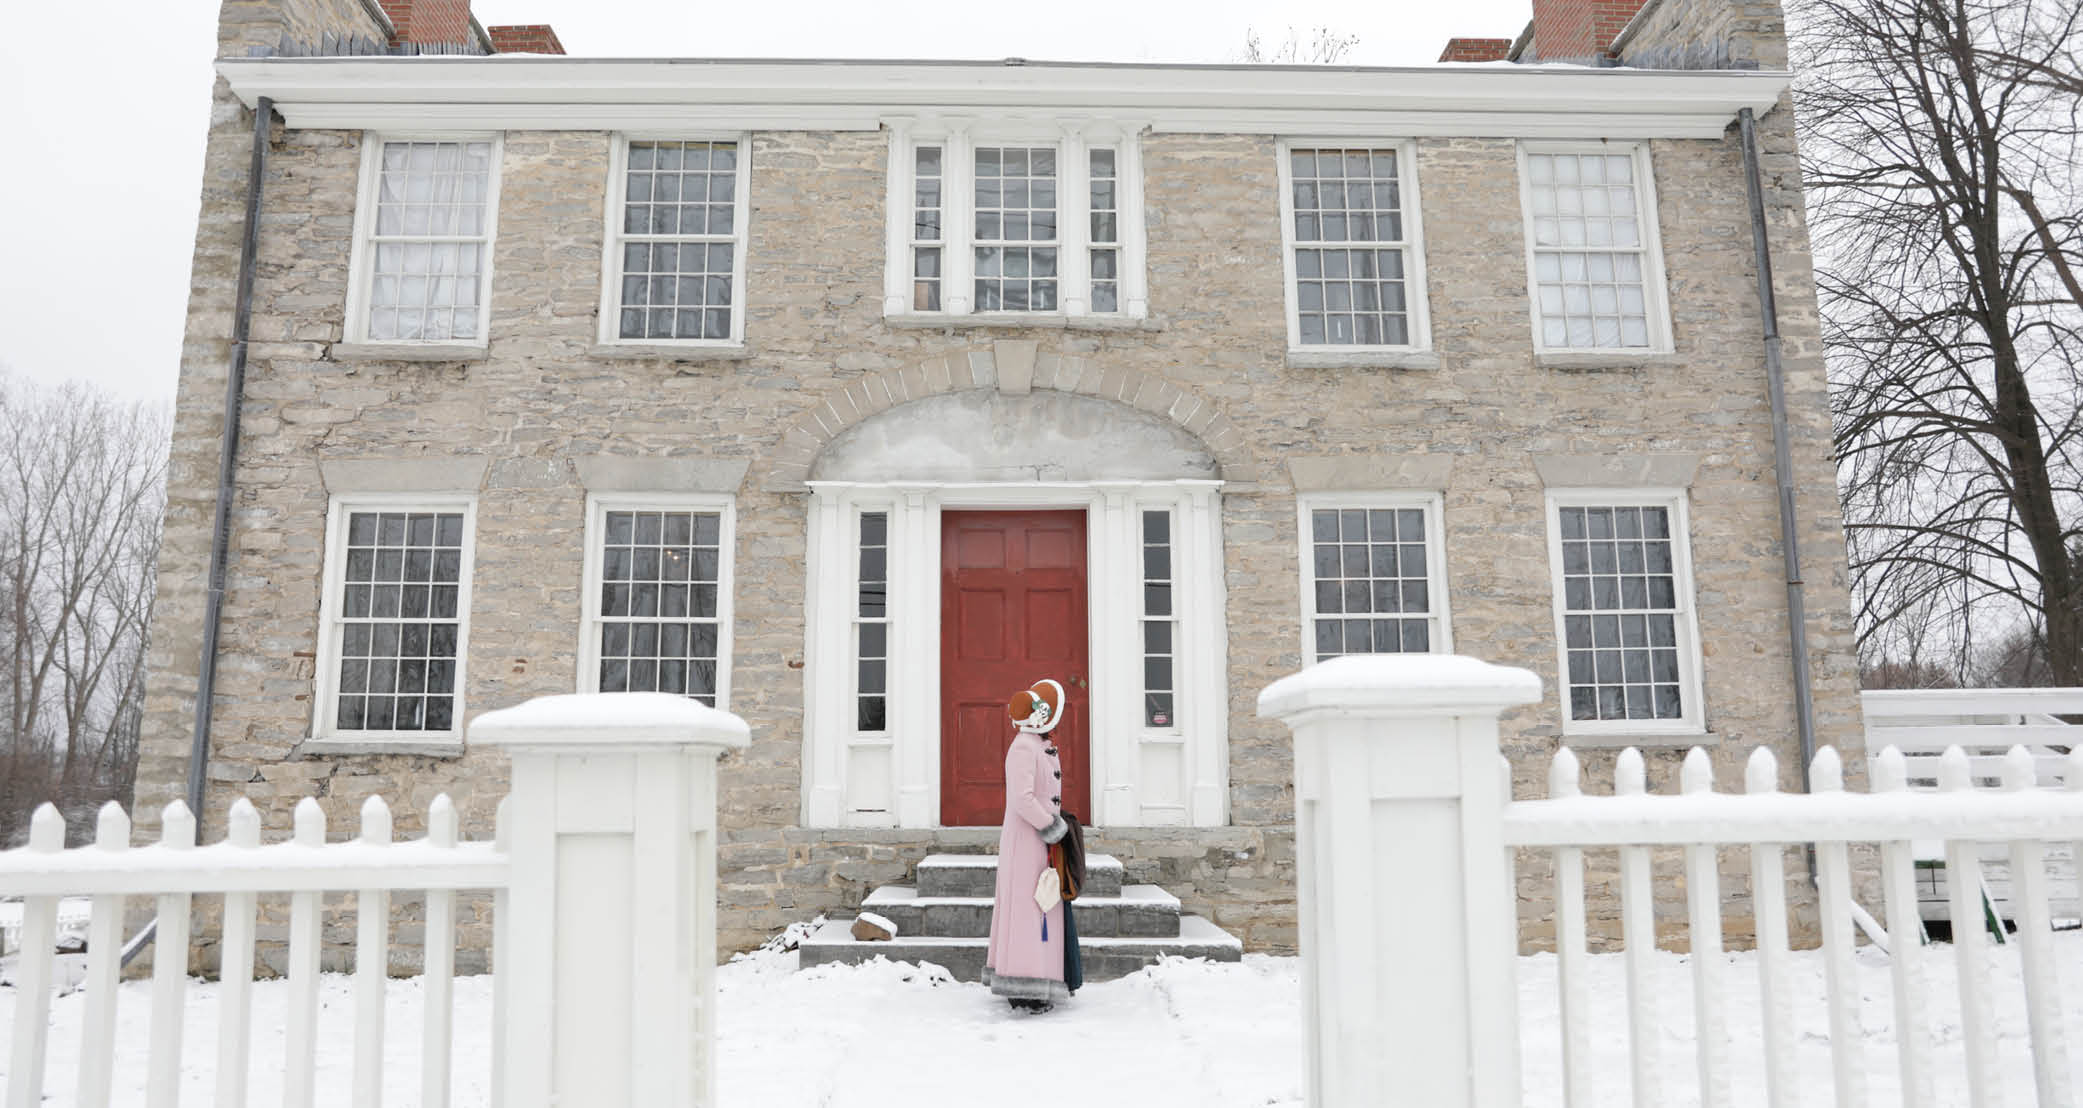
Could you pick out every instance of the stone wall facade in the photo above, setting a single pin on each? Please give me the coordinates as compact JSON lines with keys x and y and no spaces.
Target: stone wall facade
{"x":815,"y":329}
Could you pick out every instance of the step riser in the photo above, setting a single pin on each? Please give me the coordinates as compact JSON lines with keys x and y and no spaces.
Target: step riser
{"x":967,"y":963}
{"x":973,"y":921}
{"x":983,"y":881}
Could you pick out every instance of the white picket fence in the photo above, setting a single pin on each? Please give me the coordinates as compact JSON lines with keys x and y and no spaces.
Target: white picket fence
{"x":1402,"y":794}
{"x":603,"y":874}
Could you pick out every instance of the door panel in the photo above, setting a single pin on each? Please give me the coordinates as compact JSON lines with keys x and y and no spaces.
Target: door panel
{"x":1012,"y":613}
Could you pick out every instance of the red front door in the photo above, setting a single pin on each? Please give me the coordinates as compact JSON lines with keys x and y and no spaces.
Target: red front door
{"x":1012,"y":611}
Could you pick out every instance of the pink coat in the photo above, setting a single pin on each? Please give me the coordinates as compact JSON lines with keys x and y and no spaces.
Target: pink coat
{"x":1021,"y":962}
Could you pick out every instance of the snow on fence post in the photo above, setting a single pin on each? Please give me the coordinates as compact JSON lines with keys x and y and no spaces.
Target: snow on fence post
{"x":1408,"y":922}
{"x":608,"y":949}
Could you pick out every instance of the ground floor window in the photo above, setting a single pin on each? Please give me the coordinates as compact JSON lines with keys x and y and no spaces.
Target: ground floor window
{"x":1373,"y":575}
{"x":1622,"y":578}
{"x":657,"y":597}
{"x":395,"y":616}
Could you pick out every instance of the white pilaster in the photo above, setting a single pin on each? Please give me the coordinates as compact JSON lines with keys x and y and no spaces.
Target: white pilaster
{"x":1396,"y":788}
{"x":914,"y":670}
{"x":897,"y":204}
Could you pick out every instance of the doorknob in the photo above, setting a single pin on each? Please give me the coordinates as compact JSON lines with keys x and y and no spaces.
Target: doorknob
{"x":1079,"y":682}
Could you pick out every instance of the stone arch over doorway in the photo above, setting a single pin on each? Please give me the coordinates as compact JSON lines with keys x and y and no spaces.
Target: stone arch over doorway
{"x":1016,"y":369}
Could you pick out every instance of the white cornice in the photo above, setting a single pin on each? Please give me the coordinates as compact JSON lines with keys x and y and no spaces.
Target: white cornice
{"x":557,"y":93}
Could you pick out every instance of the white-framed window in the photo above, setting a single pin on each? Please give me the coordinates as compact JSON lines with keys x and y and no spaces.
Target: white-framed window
{"x":674,"y":269}
{"x":394,"y":618}
{"x":871,"y":639}
{"x":1373,"y":575}
{"x":424,"y":228}
{"x":657,"y":609}
{"x":1626,"y":631}
{"x":1594,"y":259}
{"x":1354,"y":246}
{"x":1015,"y":219}
{"x":1161,"y":647}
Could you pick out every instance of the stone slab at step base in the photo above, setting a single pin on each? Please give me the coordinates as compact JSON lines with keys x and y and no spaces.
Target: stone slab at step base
{"x":1105,"y":959}
{"x":946,"y":920}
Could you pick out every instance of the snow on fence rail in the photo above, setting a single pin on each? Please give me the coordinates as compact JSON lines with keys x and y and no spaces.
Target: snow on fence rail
{"x":174,"y":871}
{"x":603,"y":874}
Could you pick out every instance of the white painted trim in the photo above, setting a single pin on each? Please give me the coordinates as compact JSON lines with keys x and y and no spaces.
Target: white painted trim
{"x":1690,"y":658}
{"x":598,"y":504}
{"x":611,"y":251}
{"x":331,"y":584}
{"x":566,"y":93}
{"x":1433,"y":504}
{"x":362,"y":257}
{"x":1656,"y":295}
{"x":1416,"y":301}
{"x":1114,"y":617}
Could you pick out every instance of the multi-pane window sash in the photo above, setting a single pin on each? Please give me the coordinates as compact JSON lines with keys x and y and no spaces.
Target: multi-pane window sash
{"x":1105,"y":251}
{"x":1160,"y":623}
{"x":660,"y":592}
{"x":1622,"y":624}
{"x":400,"y":624}
{"x":929,"y":181}
{"x":1371,"y":582}
{"x":1590,"y":253}
{"x":872,"y":626}
{"x":429,"y":242}
{"x":1352,"y":255}
{"x":1016,"y":246}
{"x":678,"y":242}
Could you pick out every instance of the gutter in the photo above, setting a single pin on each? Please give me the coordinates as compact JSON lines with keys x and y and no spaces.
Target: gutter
{"x":1782,"y":453}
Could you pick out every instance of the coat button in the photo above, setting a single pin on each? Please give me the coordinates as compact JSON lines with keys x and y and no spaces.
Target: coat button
{"x":1057,"y":801}
{"x":1059,"y":775}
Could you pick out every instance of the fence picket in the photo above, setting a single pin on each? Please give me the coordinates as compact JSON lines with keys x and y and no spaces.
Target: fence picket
{"x":438,"y":969}
{"x":169,"y":970}
{"x":1964,"y":896}
{"x":235,"y":970}
{"x":1905,"y":944}
{"x":1638,"y":932}
{"x":300,"y":1065}
{"x":1834,"y":893}
{"x":1573,"y":972}
{"x":1775,"y":990}
{"x":104,"y":960}
{"x":1703,"y":909}
{"x":503,"y":840}
{"x":33,"y":969}
{"x":371,"y":965}
{"x":2029,"y":897}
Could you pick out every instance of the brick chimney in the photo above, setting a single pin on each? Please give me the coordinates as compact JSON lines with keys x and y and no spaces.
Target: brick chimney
{"x":428,"y":22}
{"x":1476,"y":50}
{"x":527,"y":38}
{"x":1578,"y":30}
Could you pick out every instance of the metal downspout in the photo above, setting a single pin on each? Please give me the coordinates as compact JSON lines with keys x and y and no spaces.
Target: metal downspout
{"x":227,"y":458}
{"x":1782,"y":452}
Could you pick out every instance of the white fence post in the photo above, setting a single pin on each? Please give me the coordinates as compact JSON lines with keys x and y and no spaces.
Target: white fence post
{"x":609,"y":950}
{"x":1408,"y":921}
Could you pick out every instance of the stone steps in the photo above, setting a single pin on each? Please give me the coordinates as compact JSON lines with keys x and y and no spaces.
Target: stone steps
{"x":946,"y":920}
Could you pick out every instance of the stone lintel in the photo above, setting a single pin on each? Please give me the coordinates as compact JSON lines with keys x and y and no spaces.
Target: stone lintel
{"x":1616,"y":471}
{"x":1371,"y":472}
{"x":425,"y":474}
{"x":610,"y":473}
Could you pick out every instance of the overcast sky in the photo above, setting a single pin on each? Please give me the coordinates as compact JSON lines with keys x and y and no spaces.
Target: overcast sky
{"x":102,"y":163}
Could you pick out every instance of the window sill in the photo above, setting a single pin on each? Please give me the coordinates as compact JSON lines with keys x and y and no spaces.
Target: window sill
{"x":1658,"y":740}
{"x":665,"y":352}
{"x":407,"y":352}
{"x":422,"y":748}
{"x":1320,"y":358}
{"x":1594,"y":360}
{"x":1017,"y":321}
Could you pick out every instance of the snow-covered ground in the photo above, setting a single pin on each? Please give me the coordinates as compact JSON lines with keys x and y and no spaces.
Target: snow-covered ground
{"x":1183,"y":1033}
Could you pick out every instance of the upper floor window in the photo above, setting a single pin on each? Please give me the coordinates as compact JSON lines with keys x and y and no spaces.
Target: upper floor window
{"x":1027,"y":222}
{"x":1592,"y":248}
{"x":1354,"y":256}
{"x":423,"y":244}
{"x":1624,"y":609}
{"x":676,"y":243}
{"x":1373,"y":575}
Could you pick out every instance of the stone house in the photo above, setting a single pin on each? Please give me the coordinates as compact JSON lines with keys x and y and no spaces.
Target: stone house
{"x":850,"y":396}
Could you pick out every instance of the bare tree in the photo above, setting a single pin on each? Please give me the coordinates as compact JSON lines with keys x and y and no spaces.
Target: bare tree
{"x":82,"y":493}
{"x":1324,"y":47}
{"x":1942,"y":151}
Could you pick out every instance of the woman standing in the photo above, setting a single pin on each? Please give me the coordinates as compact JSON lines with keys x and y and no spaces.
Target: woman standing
{"x":1024,"y":962}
